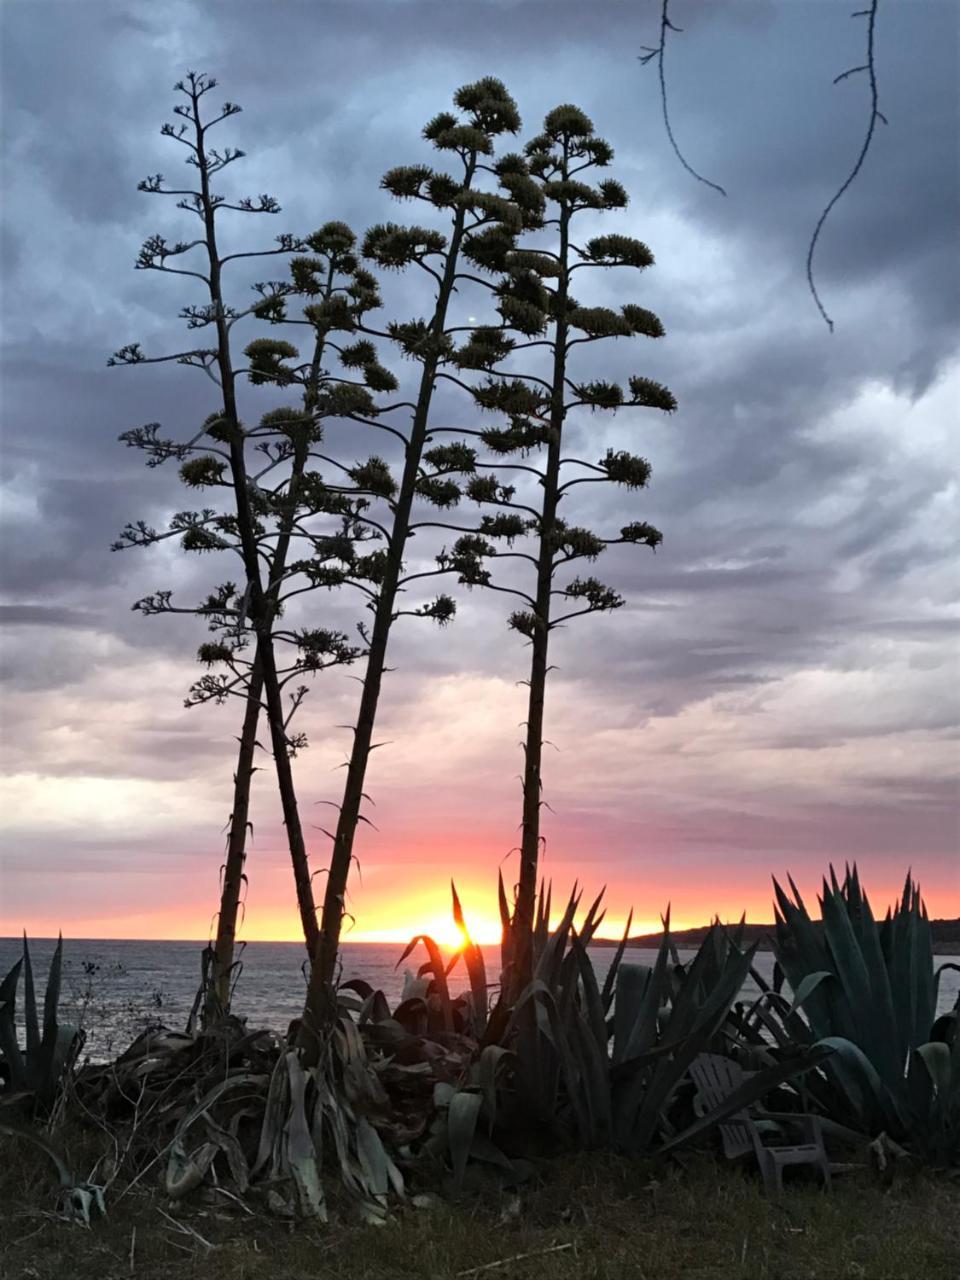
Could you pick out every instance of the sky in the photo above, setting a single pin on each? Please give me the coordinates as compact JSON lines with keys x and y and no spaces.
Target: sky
{"x":780,"y":690}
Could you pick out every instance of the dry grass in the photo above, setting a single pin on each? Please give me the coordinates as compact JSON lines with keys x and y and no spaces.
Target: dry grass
{"x":587,"y":1216}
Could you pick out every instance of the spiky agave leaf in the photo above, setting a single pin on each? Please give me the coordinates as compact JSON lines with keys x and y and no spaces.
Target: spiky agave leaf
{"x":640,"y":993}
{"x":476,"y":969}
{"x":694,"y":1018}
{"x":541,"y":924}
{"x":438,"y":969}
{"x":9,"y":1046}
{"x":30,"y":1020}
{"x":60,"y":1042}
{"x":609,"y":981}
{"x":463,"y":1112}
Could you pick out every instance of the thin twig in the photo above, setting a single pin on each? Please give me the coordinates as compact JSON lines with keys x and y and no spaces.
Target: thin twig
{"x":517,"y":1257}
{"x":185,"y":1228}
{"x":177,"y":1245}
{"x":235,"y":1198}
{"x":648,"y":55}
{"x":120,"y":1156}
{"x":875,"y":115}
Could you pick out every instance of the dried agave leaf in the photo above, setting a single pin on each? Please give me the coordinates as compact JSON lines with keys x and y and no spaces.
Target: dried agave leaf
{"x":81,"y":1203}
{"x":186,"y":1171}
{"x":300,"y":1156}
{"x":463,"y":1112}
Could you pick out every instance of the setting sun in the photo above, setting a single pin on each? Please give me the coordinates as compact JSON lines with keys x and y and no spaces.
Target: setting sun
{"x":446,"y":932}
{"x":441,"y":926}
{"x":484,"y":932}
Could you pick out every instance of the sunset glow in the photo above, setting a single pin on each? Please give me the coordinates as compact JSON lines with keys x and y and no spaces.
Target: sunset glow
{"x":442,"y":929}
{"x":179,"y":910}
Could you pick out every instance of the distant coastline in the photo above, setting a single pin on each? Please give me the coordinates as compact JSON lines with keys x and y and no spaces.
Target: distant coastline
{"x":946,"y":937}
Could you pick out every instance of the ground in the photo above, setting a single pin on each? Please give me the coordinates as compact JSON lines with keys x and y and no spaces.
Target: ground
{"x":585,"y":1217}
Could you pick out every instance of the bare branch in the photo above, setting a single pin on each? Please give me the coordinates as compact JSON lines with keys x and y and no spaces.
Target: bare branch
{"x":647,"y":56}
{"x":875,"y":115}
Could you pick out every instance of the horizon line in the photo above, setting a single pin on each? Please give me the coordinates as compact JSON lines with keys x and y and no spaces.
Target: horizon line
{"x":349,"y":942}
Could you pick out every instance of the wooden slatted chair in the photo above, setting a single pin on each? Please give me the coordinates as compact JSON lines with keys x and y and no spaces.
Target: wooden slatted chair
{"x":716,"y":1078}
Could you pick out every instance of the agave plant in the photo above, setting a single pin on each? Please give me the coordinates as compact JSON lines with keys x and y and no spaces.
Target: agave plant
{"x":301,"y":1113}
{"x":34,"y":1071}
{"x":574,"y":1061}
{"x":390,"y":1088}
{"x":241,"y":1110}
{"x":443,"y":1082}
{"x":468,"y":1012}
{"x":76,"y":1200}
{"x":606,"y":1066}
{"x":868,"y":990}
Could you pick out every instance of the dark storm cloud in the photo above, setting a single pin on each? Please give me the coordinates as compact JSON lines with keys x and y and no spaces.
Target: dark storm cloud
{"x":791,"y":547}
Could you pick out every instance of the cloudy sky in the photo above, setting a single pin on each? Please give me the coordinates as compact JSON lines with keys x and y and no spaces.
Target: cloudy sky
{"x":780,"y":691}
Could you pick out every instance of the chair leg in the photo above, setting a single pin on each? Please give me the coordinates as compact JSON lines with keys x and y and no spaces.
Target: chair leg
{"x":770,"y":1173}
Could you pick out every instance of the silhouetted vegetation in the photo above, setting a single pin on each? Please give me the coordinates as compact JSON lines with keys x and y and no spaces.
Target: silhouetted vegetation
{"x":448,"y":1089}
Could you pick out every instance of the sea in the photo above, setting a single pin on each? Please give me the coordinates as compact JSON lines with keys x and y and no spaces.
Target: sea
{"x":115,"y":989}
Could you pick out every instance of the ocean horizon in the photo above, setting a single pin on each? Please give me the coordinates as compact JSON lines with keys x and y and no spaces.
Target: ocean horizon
{"x":116,"y":987}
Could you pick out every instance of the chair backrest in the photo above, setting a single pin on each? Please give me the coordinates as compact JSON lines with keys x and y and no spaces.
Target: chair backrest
{"x":716,"y":1078}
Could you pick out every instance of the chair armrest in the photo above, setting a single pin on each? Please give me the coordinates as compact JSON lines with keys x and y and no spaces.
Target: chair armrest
{"x":802,"y":1119}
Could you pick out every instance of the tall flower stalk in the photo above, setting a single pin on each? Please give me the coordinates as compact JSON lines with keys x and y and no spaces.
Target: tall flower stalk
{"x":217,"y":456}
{"x":338,"y":290}
{"x":488,"y":111}
{"x":537,"y":295}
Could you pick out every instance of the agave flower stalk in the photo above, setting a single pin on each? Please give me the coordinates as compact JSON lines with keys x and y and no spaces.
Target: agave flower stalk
{"x":229,"y":673}
{"x":227,"y":440}
{"x":536,"y":298}
{"x":331,"y":275}
{"x":221,"y":976}
{"x":488,"y":111}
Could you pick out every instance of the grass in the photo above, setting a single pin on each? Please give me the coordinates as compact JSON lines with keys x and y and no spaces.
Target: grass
{"x":586,"y":1216}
